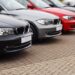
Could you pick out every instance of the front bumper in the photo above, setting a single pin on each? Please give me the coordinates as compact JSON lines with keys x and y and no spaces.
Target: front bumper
{"x":50,"y":32}
{"x":69,"y":25}
{"x":15,"y":43}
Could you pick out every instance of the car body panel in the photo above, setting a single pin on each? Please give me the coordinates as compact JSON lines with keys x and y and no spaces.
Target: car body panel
{"x":6,"y":21}
{"x":30,"y":14}
{"x":70,"y":8}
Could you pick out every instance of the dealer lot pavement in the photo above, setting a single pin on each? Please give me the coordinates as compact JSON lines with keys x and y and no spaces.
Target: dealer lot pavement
{"x":64,"y":66}
{"x":51,"y":52}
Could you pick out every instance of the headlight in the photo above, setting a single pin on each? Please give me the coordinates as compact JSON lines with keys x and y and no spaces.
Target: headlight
{"x":45,"y":22}
{"x":49,"y":21}
{"x":68,"y":17}
{"x":6,"y":31}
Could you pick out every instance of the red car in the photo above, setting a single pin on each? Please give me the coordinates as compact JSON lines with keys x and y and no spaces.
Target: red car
{"x":67,"y":17}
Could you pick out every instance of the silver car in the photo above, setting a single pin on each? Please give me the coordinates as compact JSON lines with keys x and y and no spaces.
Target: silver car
{"x":43,"y":25}
{"x":58,"y":4}
{"x":69,"y":2}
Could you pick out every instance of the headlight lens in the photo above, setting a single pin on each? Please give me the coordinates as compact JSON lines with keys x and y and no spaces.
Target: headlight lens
{"x":45,"y":22}
{"x":6,"y":31}
{"x":49,"y":21}
{"x":68,"y":17}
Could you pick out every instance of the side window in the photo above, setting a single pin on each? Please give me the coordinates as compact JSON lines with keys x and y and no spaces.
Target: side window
{"x":1,"y":8}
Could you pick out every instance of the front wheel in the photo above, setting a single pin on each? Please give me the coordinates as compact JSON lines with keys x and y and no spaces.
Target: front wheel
{"x":34,"y":37}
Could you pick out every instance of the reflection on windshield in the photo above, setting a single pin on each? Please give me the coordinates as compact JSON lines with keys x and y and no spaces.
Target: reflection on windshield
{"x":40,"y":3}
{"x":23,"y":2}
{"x":11,"y":4}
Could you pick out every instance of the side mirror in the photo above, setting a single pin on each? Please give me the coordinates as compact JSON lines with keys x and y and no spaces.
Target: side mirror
{"x":1,"y":8}
{"x":30,"y":6}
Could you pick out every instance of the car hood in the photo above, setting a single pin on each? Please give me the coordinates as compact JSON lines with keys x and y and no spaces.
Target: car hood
{"x":70,"y":8}
{"x":31,"y":14}
{"x":59,"y":12}
{"x":6,"y":21}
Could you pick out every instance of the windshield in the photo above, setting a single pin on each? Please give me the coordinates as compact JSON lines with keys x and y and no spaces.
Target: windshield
{"x":40,"y":3}
{"x":11,"y":4}
{"x":58,"y":3}
{"x":23,"y":2}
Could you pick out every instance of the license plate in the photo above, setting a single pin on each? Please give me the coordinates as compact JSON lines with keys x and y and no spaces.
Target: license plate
{"x":53,"y":29}
{"x":58,"y":28}
{"x":25,"y":39}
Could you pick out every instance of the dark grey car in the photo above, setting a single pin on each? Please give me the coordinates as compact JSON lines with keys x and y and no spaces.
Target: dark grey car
{"x":14,"y":34}
{"x":57,"y":3}
{"x":42,"y":24}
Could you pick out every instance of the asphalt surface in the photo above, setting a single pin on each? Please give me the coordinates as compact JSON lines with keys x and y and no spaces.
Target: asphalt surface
{"x":42,"y":51}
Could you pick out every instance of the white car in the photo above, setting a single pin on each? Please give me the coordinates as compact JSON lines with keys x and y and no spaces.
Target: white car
{"x":69,"y":2}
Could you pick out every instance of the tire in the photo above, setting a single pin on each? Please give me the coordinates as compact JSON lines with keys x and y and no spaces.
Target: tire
{"x":35,"y":36}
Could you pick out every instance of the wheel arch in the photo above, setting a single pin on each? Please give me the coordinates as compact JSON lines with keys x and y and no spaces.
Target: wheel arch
{"x":34,"y":26}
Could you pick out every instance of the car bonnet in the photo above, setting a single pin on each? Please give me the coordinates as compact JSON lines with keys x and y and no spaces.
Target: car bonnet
{"x":59,"y":12}
{"x":9,"y":21}
{"x":70,"y":8}
{"x":32,"y":14}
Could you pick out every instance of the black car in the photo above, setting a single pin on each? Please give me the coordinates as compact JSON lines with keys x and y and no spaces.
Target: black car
{"x":15,"y":35}
{"x":57,"y":3}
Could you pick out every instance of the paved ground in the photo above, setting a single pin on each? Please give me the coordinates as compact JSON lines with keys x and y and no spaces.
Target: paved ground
{"x":57,"y":53}
{"x":64,"y":66}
